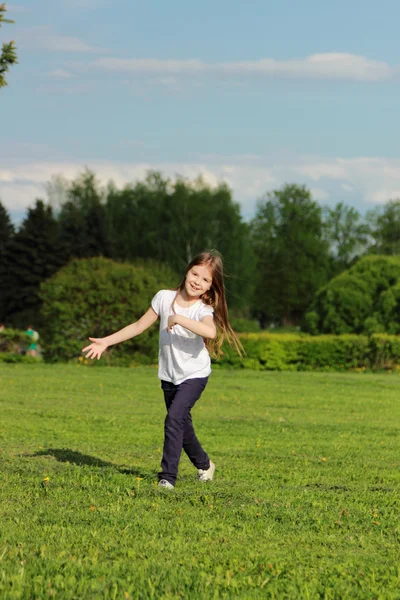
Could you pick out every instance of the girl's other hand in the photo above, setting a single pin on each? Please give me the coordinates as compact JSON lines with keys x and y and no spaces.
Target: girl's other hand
{"x":96,"y":349}
{"x":172,"y":320}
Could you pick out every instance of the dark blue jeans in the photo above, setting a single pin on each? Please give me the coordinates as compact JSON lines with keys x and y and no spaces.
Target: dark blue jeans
{"x":178,"y":427}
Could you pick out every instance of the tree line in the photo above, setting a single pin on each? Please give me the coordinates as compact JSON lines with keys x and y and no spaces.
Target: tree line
{"x":275,"y":263}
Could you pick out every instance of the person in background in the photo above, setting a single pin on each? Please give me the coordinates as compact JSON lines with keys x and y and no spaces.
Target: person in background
{"x":32,"y":348}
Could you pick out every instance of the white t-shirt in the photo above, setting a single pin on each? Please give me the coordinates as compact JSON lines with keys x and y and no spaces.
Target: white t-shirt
{"x":183,"y":354}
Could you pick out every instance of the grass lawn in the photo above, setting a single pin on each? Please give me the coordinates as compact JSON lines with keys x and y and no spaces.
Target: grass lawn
{"x":305,"y":502}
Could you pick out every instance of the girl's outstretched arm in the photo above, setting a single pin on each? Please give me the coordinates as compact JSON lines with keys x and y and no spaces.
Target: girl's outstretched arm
{"x":98,"y":345}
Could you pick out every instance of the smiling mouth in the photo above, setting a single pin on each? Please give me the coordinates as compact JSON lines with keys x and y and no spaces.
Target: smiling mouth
{"x":194,"y":288}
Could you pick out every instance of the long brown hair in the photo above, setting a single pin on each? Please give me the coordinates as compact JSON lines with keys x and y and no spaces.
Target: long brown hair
{"x":215,"y":297}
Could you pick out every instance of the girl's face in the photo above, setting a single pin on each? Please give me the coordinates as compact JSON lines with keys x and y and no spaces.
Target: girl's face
{"x":198,"y":280}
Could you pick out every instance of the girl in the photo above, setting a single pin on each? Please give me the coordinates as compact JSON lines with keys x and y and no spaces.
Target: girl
{"x":193,"y":323}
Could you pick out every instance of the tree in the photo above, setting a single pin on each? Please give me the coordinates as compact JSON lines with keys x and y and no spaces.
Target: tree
{"x":364,"y":299}
{"x":292,"y":254}
{"x":32,"y":256}
{"x":8,"y":54}
{"x":172,"y":221}
{"x":385,"y":229}
{"x":6,"y":235}
{"x":83,"y":220}
{"x":346,"y":234}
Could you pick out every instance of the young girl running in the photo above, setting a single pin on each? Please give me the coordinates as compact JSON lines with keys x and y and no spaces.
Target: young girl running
{"x":193,"y":323}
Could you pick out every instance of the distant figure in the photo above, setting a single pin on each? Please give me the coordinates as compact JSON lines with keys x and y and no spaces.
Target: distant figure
{"x":35,"y":336}
{"x":2,"y":328}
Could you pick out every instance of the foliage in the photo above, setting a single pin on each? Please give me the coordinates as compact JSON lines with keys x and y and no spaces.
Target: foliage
{"x":32,"y":256}
{"x":82,"y":218}
{"x":11,"y":357}
{"x":294,"y":352}
{"x":160,"y":218}
{"x":363,"y":299}
{"x":8,"y":55}
{"x":13,"y":341}
{"x":385,"y":229}
{"x":292,"y":254}
{"x":6,"y":235}
{"x":244,"y":325}
{"x":304,"y":503}
{"x":95,"y":297}
{"x":347,"y":235}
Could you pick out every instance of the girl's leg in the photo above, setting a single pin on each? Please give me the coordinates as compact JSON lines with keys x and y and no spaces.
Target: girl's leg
{"x":191,"y":445}
{"x":179,"y":403}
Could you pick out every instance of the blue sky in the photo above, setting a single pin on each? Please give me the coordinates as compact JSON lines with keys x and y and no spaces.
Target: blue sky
{"x":257,"y":94}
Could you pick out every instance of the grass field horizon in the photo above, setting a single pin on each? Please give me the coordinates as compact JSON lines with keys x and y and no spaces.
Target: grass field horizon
{"x":304,"y":504}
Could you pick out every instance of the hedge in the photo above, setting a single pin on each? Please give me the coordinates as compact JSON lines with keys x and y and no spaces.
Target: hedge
{"x":300,"y":352}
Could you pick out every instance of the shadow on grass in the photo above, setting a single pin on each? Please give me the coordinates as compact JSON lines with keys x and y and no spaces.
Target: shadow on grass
{"x":77,"y":458}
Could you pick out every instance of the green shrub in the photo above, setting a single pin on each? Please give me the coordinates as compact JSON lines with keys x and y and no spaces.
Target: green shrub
{"x":365,"y":299}
{"x":384,"y":351}
{"x":14,"y":341}
{"x":291,"y":352}
{"x":95,"y":297}
{"x":243,"y":325}
{"x":8,"y":357}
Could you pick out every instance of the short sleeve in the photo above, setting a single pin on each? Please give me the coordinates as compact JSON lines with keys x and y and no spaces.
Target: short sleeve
{"x":156,"y":302}
{"x":205,"y":310}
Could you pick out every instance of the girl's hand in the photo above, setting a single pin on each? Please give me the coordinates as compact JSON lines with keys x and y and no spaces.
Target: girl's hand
{"x":172,"y":320}
{"x":96,"y":349}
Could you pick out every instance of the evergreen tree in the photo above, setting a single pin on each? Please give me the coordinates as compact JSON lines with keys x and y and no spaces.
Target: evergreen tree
{"x":32,"y":256}
{"x":73,"y":240}
{"x":6,"y":235}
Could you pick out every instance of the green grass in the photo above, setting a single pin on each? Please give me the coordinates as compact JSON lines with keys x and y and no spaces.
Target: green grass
{"x":305,"y":502}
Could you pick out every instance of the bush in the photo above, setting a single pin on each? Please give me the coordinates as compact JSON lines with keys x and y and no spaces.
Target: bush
{"x":243,"y":325}
{"x":14,"y":341}
{"x":365,"y":299}
{"x":290,"y":352}
{"x":95,"y":297}
{"x":8,"y":357}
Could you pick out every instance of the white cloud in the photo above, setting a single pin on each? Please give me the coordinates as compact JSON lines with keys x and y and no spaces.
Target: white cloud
{"x":18,"y":196}
{"x":319,"y":194}
{"x":378,"y":179}
{"x":317,"y":170}
{"x":317,"y":66}
{"x":383,"y":195}
{"x":42,"y":38}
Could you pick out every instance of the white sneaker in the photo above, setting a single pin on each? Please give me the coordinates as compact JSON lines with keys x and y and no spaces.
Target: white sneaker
{"x":163,"y":483}
{"x":206,"y":474}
